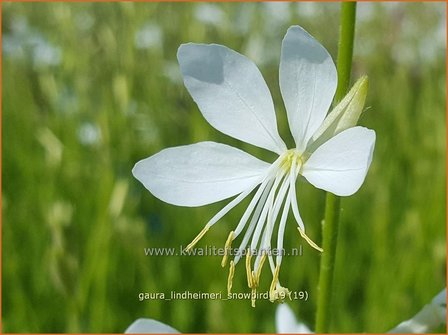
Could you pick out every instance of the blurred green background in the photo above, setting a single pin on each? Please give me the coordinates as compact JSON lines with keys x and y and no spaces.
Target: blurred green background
{"x":91,"y":88}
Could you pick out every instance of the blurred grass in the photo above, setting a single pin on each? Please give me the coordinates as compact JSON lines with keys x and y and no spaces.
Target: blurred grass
{"x":89,"y":89}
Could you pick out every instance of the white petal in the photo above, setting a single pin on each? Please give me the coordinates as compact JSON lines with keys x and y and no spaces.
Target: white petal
{"x":199,"y":174}
{"x":286,"y":323}
{"x":231,"y":94}
{"x":440,"y":299}
{"x":345,"y":115}
{"x":285,"y":320}
{"x":426,"y":320}
{"x":149,"y":326}
{"x":308,"y":82}
{"x":340,"y":165}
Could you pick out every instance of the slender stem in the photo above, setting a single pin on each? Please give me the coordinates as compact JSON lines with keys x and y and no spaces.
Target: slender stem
{"x":332,"y":204}
{"x":345,"y":48}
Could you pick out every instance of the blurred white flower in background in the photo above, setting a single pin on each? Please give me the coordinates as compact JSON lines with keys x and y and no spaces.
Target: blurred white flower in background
{"x":84,"y":21}
{"x":277,"y":12}
{"x":209,"y":13}
{"x":171,"y":71}
{"x":89,"y":134}
{"x":45,"y":54}
{"x":149,"y":36}
{"x":25,"y":41}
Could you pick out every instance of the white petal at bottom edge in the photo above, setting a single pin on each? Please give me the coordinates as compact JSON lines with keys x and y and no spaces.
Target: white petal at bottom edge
{"x":340,"y":165}
{"x":286,"y":322}
{"x":149,"y":326}
{"x":199,"y":174}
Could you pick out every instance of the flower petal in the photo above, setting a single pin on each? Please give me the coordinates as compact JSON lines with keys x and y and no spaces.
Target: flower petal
{"x":440,"y":299}
{"x":149,"y":326}
{"x":425,"y":321}
{"x":308,"y":82}
{"x":199,"y":174}
{"x":340,"y":165}
{"x":231,"y":94}
{"x":345,"y":115}
{"x":286,"y":322}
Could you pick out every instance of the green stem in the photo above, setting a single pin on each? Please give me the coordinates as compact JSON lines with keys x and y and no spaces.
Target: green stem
{"x":332,"y":204}
{"x":345,"y":48}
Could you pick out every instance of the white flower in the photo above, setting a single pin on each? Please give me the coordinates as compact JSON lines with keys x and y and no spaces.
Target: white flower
{"x":286,"y":322}
{"x":149,"y":326}
{"x":233,"y":97}
{"x":426,"y":320}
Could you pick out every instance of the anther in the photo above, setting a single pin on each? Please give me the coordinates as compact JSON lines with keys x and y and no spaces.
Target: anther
{"x":227,"y":248}
{"x":248,"y":270}
{"x":254,"y":296}
{"x":274,"y":282}
{"x":197,"y":238}
{"x":230,"y":278}
{"x":310,"y":242}
{"x":260,"y":266}
{"x":254,"y":280}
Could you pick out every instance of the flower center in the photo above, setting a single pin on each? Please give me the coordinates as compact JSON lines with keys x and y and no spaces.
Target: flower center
{"x":290,"y":157}
{"x":268,"y":209}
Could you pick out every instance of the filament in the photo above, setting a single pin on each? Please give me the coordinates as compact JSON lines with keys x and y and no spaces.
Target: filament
{"x":253,"y":221}
{"x":220,"y":214}
{"x":281,"y":228}
{"x":272,"y":218}
{"x":268,"y":204}
{"x":310,"y":241}
{"x":231,"y":205}
{"x":251,"y":207}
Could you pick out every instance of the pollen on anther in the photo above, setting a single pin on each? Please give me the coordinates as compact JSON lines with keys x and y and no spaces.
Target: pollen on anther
{"x":274,"y":283}
{"x":197,"y":238}
{"x":260,"y":266}
{"x":248,"y":269}
{"x":230,"y":278}
{"x":227,"y":248}
{"x":310,"y":242}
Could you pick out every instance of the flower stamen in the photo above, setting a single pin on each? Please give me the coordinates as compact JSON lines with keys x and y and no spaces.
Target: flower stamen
{"x":254,"y":220}
{"x":230,"y":278}
{"x":253,"y":296}
{"x":276,"y":291}
{"x":310,"y":241}
{"x":256,"y":199}
{"x":260,"y":266}
{"x":220,"y":214}
{"x":248,"y":269}
{"x":274,"y":283}
{"x":267,"y":206}
{"x":197,"y":238}
{"x":227,"y":247}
